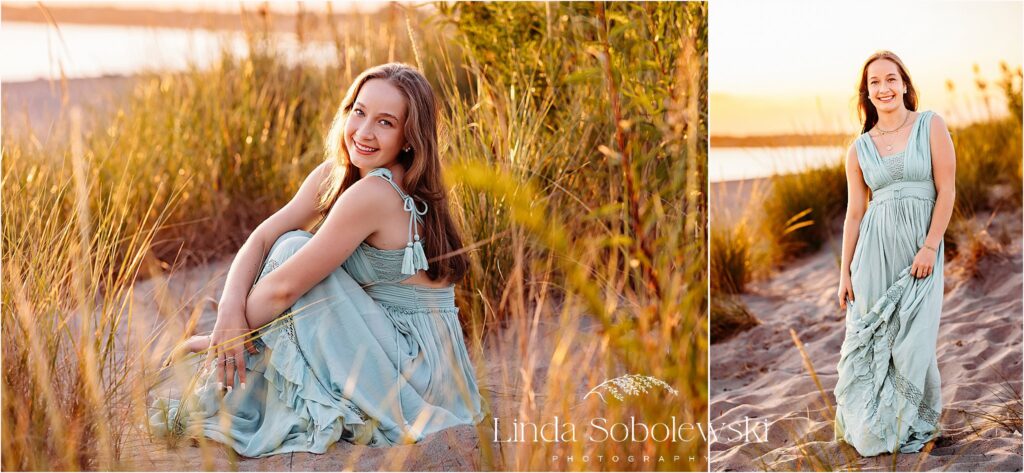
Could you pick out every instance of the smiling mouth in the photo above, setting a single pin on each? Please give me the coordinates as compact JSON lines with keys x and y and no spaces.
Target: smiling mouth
{"x":365,"y":149}
{"x":887,"y":99}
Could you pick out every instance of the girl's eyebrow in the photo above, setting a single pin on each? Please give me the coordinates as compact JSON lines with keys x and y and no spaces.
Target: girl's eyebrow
{"x":381,"y":113}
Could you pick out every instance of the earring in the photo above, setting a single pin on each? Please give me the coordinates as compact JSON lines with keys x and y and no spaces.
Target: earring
{"x":406,"y":149}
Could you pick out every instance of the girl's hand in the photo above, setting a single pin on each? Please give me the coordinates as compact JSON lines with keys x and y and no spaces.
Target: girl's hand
{"x":226,"y":345}
{"x":924,"y":263}
{"x":845,"y":291}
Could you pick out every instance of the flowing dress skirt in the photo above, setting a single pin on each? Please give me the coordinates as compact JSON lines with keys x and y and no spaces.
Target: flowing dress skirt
{"x":888,"y":394}
{"x":380,"y":369}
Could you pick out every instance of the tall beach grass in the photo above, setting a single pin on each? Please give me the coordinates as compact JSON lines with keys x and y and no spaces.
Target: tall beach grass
{"x":574,"y":140}
{"x":800,"y":213}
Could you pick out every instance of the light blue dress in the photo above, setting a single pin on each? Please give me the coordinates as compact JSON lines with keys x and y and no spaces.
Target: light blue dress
{"x":888,"y":394}
{"x":364,"y":359}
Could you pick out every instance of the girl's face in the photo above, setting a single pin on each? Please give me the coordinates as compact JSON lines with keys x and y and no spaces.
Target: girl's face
{"x":373,"y":130}
{"x":885,"y":86}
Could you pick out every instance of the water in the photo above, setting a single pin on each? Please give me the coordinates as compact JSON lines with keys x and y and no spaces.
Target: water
{"x":35,"y":51}
{"x":730,"y":164}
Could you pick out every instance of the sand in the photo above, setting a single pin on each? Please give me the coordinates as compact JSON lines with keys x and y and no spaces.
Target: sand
{"x":760,"y":374}
{"x":37,"y":106}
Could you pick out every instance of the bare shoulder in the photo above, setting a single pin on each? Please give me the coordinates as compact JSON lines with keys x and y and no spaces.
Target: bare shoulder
{"x":939,"y":136}
{"x":851,"y":155}
{"x":373,"y":192}
{"x":938,"y":124}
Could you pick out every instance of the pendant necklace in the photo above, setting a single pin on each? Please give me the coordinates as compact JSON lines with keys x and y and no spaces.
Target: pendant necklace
{"x":881,"y":132}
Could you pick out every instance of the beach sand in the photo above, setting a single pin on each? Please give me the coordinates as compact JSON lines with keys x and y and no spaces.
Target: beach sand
{"x":759,"y":374}
{"x":38,"y":106}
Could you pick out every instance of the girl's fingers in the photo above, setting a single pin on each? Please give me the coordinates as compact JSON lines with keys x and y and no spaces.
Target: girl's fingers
{"x":230,"y":364}
{"x":845,"y":297}
{"x":241,"y":368}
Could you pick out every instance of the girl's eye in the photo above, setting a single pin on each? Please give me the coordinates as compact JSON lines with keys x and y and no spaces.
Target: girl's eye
{"x":892,"y":79}
{"x":360,"y":113}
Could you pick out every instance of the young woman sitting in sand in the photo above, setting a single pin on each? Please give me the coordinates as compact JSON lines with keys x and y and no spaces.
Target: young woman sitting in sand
{"x":358,"y":336}
{"x":888,"y":394}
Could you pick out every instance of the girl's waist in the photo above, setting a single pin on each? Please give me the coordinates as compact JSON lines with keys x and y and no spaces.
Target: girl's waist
{"x":897,"y":190}
{"x":412,"y":296}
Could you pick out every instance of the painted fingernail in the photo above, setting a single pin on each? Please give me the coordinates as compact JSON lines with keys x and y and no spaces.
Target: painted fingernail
{"x":243,"y":385}
{"x":220,"y":385}
{"x":229,"y":389}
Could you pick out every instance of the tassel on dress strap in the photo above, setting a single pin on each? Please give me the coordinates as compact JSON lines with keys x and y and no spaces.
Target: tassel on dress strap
{"x":414,"y":258}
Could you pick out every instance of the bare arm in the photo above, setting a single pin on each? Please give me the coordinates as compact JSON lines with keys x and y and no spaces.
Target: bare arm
{"x":857,"y":204}
{"x":944,"y":173}
{"x":231,"y":322}
{"x":300,"y":212}
{"x":352,"y":219}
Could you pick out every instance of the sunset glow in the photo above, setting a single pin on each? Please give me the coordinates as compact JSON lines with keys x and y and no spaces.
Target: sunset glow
{"x":792,"y":66}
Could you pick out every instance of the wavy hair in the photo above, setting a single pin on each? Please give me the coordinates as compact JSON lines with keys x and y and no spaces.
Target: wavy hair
{"x":422,"y":180}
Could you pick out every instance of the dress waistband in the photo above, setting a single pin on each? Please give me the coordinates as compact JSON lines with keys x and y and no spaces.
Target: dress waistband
{"x":920,"y":189}
{"x":412,"y":296}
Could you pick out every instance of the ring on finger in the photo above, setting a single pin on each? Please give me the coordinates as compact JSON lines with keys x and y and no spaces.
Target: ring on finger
{"x":230,"y":360}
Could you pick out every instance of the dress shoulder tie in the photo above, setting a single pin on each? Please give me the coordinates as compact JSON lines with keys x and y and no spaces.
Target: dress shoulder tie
{"x":415,"y":258}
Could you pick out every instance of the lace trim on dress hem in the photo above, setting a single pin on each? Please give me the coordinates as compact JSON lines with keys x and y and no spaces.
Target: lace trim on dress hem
{"x":886,"y":311}
{"x":903,"y":385}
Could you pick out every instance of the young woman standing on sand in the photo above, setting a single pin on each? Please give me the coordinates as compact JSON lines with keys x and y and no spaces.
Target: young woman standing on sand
{"x":891,"y":284}
{"x":371,"y":349}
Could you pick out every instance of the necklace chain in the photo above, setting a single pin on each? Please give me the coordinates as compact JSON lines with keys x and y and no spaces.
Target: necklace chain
{"x":882,"y":133}
{"x":886,"y":132}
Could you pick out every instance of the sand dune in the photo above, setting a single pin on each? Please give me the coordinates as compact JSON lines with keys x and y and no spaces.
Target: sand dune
{"x":760,"y":374}
{"x":38,"y":106}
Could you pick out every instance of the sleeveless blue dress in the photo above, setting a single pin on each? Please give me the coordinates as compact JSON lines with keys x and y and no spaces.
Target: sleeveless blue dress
{"x":888,"y":393}
{"x":361,"y":357}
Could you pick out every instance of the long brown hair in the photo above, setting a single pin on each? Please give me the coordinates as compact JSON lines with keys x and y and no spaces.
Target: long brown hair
{"x":866,"y":110}
{"x":422,"y":165}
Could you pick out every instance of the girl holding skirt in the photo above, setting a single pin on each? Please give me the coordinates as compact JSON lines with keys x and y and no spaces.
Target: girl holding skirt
{"x":900,"y":176}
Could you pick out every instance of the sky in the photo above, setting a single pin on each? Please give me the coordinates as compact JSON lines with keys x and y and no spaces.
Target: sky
{"x":283,"y":6}
{"x":789,"y":66}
